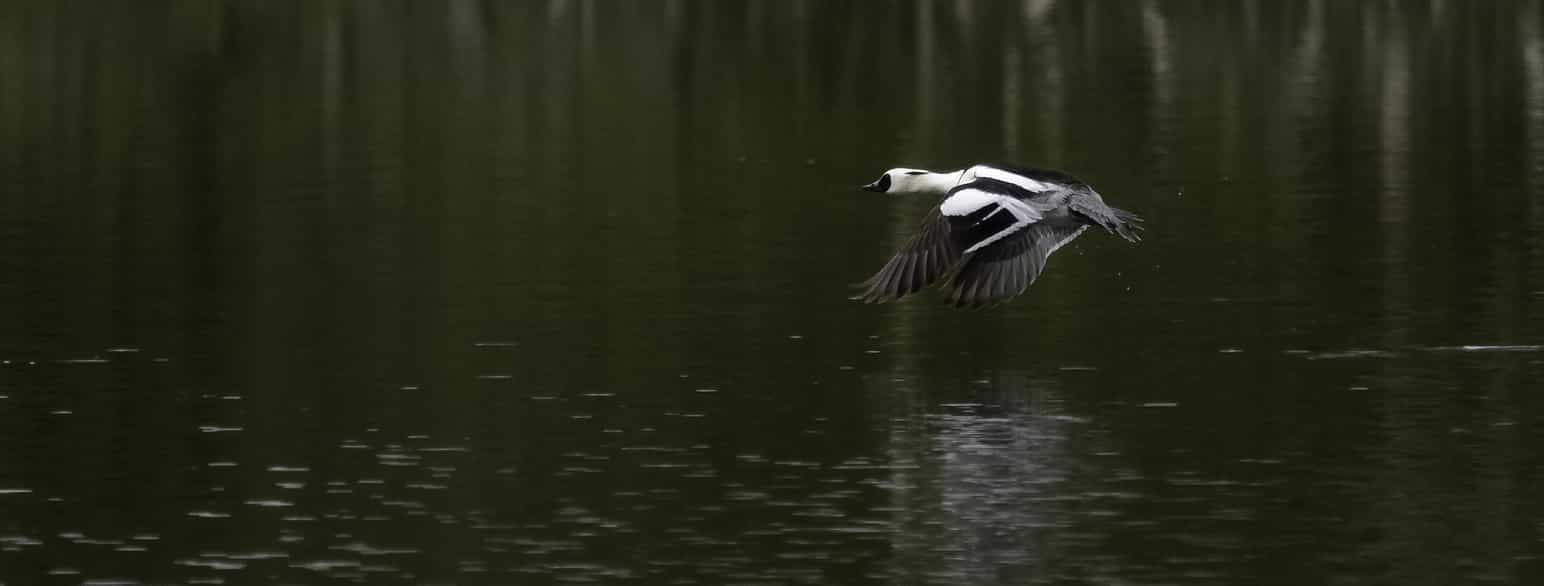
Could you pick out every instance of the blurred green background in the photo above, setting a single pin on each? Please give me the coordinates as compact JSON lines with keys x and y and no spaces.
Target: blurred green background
{"x":488,"y":292}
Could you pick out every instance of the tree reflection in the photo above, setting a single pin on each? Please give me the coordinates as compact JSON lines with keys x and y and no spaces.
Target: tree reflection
{"x":312,"y":201}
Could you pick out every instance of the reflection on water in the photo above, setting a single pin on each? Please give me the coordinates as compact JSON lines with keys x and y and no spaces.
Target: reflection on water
{"x":998,"y":487}
{"x":489,"y":292}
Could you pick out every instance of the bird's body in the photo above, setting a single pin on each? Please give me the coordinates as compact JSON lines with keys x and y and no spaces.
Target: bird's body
{"x":989,"y":238}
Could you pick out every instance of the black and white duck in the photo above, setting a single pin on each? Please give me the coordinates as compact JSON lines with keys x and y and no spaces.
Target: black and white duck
{"x":990,"y":236}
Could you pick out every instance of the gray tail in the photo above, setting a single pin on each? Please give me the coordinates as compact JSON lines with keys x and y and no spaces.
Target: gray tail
{"x":1128,"y":225}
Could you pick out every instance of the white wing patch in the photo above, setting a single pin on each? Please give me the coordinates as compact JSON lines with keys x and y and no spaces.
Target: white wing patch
{"x":967,"y":201}
{"x":990,"y":172}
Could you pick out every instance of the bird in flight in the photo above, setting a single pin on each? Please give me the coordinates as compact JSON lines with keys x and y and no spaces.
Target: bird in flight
{"x":989,"y":238}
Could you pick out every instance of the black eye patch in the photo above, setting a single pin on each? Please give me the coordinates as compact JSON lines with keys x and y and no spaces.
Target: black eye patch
{"x":916,"y":172}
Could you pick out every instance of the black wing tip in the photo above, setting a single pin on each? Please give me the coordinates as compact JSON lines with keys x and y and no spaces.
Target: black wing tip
{"x":954,"y":296}
{"x":975,"y":295}
{"x":874,"y":294}
{"x":868,"y":297}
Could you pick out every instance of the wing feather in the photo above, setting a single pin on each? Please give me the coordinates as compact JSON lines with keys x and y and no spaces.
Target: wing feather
{"x":919,"y":263}
{"x":1004,"y":270}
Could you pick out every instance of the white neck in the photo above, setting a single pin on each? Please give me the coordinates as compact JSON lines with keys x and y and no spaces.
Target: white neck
{"x":941,"y":183}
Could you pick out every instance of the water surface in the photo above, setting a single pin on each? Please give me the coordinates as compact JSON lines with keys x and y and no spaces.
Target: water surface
{"x":471,"y":292}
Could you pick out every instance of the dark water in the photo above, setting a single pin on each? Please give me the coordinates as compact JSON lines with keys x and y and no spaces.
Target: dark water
{"x":519,"y":293}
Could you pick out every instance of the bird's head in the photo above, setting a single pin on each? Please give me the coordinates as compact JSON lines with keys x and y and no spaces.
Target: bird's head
{"x":904,"y":181}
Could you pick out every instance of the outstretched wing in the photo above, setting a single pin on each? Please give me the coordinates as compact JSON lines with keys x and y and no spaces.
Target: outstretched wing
{"x":920,"y":262}
{"x":972,"y":218}
{"x":1005,"y":269}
